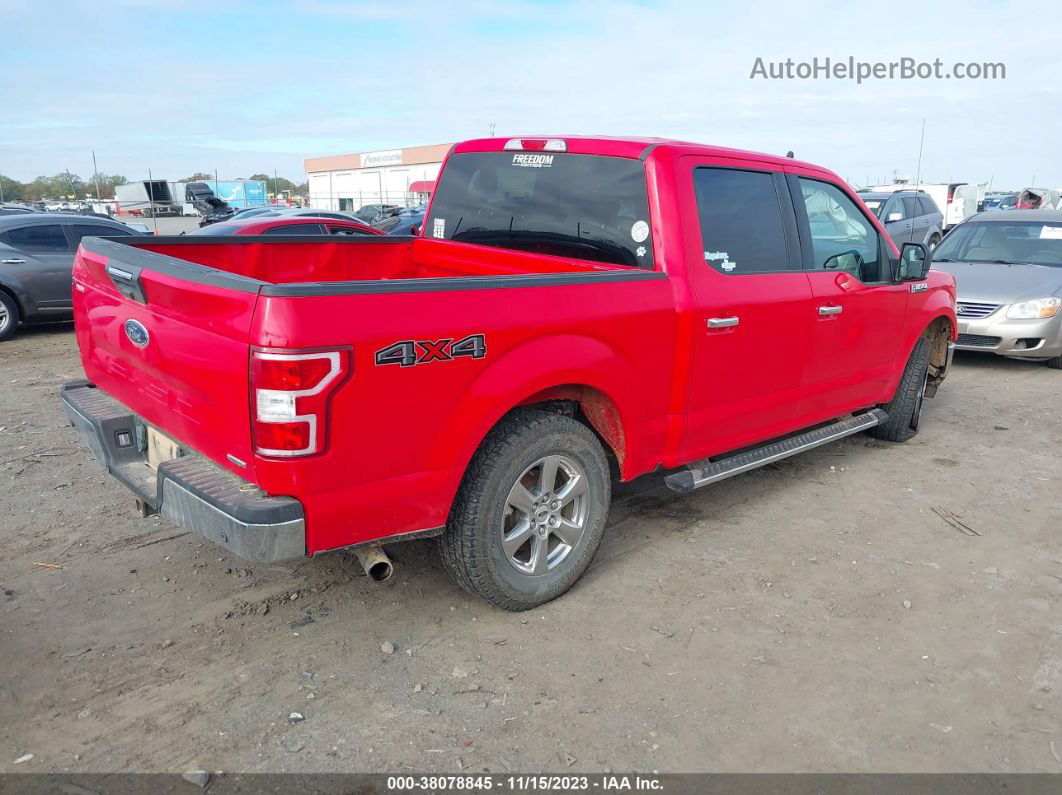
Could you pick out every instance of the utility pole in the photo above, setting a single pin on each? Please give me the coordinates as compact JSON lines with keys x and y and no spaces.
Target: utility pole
{"x":921,"y":143}
{"x":96,"y":175}
{"x":492,"y":129}
{"x":1,"y":188}
{"x":276,"y":193}
{"x":151,"y":196}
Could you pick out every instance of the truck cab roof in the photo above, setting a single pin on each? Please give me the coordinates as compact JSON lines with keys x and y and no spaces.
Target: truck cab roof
{"x":621,"y":146}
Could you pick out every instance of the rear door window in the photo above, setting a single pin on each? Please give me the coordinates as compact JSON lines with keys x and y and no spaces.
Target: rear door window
{"x":928,"y":205}
{"x":38,"y":239}
{"x":911,"y":207}
{"x":741,"y":221}
{"x":585,"y":207}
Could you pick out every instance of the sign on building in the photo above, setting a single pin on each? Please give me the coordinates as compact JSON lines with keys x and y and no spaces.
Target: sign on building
{"x":389,"y":158}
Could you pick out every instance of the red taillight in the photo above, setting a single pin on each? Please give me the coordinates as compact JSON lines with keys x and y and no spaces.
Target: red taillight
{"x":291,"y":374}
{"x":289,"y":437}
{"x":290,"y":393}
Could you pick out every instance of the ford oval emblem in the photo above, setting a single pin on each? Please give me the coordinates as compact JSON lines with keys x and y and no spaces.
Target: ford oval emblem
{"x":137,"y":333}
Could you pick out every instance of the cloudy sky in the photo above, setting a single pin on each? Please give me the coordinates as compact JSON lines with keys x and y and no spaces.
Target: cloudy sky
{"x":245,"y":87}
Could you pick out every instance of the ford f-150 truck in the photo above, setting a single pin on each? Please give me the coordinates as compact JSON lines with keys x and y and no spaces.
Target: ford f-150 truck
{"x":574,"y":310}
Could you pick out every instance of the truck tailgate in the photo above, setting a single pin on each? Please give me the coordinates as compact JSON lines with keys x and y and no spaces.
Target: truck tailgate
{"x":169,"y":340}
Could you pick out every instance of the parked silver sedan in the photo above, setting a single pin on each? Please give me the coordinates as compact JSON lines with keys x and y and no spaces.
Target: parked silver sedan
{"x":1008,"y":269}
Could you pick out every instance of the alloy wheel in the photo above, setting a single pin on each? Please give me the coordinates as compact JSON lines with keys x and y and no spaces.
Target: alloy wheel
{"x":545,"y":515}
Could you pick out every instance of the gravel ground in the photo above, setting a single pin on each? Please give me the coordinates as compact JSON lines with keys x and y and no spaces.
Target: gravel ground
{"x":814,"y":615}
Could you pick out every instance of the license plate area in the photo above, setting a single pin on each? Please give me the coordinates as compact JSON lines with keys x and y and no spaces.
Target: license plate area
{"x":160,"y":448}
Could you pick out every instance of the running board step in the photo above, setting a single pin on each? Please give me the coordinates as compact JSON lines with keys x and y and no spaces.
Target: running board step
{"x":690,"y":479}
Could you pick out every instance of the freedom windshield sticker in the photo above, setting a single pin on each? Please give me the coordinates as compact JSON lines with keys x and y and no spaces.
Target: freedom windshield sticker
{"x":640,"y":231}
{"x":533,"y":161}
{"x":438,"y":227}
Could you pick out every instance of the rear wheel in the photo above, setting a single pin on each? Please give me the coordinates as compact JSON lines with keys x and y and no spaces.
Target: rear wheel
{"x":905,"y":408}
{"x":9,"y":316}
{"x":530,"y":513}
{"x":933,"y":241}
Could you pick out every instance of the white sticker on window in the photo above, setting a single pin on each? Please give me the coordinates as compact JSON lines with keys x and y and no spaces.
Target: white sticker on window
{"x":640,"y":231}
{"x":726,"y":264}
{"x":438,"y":227}
{"x":640,"y":251}
{"x":1051,"y":232}
{"x":533,"y":161}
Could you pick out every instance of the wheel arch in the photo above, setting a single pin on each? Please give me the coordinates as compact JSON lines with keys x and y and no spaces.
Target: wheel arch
{"x":587,"y":385}
{"x":939,"y":332}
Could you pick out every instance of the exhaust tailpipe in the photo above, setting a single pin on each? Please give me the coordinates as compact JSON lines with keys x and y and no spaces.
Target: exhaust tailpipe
{"x":377,"y":564}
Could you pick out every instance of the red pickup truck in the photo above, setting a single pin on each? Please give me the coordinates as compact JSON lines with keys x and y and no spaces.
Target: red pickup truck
{"x":573,"y":310}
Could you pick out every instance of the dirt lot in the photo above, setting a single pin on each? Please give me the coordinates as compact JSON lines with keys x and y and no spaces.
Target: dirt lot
{"x":816,"y":615}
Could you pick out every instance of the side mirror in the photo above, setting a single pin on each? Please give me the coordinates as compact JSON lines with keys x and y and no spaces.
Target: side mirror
{"x":915,"y":260}
{"x":414,"y":230}
{"x":897,"y":216}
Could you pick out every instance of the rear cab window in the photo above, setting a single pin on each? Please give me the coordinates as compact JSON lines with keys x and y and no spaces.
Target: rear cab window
{"x":588,"y":207}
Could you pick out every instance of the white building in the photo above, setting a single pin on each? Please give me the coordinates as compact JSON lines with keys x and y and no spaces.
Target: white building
{"x":397,"y":176}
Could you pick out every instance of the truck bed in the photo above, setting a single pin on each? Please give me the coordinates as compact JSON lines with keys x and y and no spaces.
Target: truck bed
{"x":265,"y":262}
{"x":167,"y":327}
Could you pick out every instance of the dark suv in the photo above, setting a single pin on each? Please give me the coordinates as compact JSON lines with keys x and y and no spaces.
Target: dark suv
{"x":909,"y":216}
{"x":36,"y":258}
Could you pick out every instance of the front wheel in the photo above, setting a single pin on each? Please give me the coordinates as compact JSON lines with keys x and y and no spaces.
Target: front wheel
{"x":905,"y":408}
{"x":530,"y":513}
{"x":1055,"y":363}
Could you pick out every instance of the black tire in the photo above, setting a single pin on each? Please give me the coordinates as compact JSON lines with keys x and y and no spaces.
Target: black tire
{"x":1055,"y":363}
{"x":905,"y":408}
{"x":471,"y":546}
{"x":9,"y":316}
{"x":933,"y":241}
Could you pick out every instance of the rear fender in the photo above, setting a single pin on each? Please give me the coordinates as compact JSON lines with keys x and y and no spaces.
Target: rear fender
{"x":590,"y":372}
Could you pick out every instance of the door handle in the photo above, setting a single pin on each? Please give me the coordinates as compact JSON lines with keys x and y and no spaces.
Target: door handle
{"x":12,"y":261}
{"x":723,"y":322}
{"x":830,"y":310}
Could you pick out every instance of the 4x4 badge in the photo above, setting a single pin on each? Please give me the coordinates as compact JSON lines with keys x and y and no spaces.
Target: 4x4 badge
{"x":408,"y":353}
